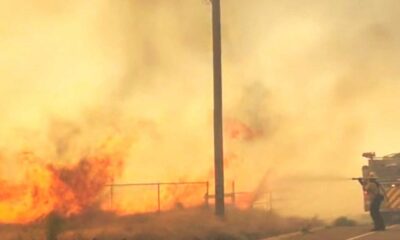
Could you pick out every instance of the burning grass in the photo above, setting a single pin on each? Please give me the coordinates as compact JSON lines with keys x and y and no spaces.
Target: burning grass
{"x":65,"y":189}
{"x":180,"y":224}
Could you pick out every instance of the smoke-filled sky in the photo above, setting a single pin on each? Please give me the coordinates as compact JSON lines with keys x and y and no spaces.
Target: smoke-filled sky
{"x":308,"y":86}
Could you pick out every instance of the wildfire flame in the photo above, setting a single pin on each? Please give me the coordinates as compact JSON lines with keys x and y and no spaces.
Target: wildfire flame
{"x":66,"y":190}
{"x":236,"y":129}
{"x":72,"y":188}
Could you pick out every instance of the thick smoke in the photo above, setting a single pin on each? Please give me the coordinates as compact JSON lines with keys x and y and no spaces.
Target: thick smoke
{"x":308,"y":86}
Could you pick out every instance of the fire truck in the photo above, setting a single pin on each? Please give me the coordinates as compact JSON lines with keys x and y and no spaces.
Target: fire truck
{"x":387,"y":172}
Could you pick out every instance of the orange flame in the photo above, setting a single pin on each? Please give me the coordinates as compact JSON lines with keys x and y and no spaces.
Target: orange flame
{"x":237,"y":129}
{"x":66,"y":190}
{"x":72,"y":188}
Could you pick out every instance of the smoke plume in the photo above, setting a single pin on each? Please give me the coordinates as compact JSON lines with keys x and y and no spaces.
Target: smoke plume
{"x":308,"y":86}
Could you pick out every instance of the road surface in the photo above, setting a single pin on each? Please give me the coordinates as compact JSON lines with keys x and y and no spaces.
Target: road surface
{"x":344,"y":233}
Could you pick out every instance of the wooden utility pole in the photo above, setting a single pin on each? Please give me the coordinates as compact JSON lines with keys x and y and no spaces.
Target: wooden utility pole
{"x":218,"y":131}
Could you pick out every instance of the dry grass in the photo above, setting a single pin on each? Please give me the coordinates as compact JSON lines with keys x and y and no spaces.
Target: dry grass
{"x":196,"y":224}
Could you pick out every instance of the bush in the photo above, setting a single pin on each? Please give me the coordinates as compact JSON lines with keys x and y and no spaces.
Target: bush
{"x":344,"y":222}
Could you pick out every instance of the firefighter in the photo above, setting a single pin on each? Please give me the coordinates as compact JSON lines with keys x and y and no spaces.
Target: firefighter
{"x":375,"y":196}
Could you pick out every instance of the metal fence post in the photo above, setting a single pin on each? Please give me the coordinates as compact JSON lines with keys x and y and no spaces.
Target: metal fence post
{"x":158,"y":197}
{"x":206,"y":196}
{"x":233,"y":193}
{"x":270,"y":201}
{"x":111,"y":196}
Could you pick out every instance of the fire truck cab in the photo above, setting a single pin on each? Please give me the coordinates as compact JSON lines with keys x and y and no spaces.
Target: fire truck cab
{"x":387,"y":171}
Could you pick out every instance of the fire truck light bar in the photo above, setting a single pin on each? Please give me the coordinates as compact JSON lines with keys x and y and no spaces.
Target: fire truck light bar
{"x":369,"y":155}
